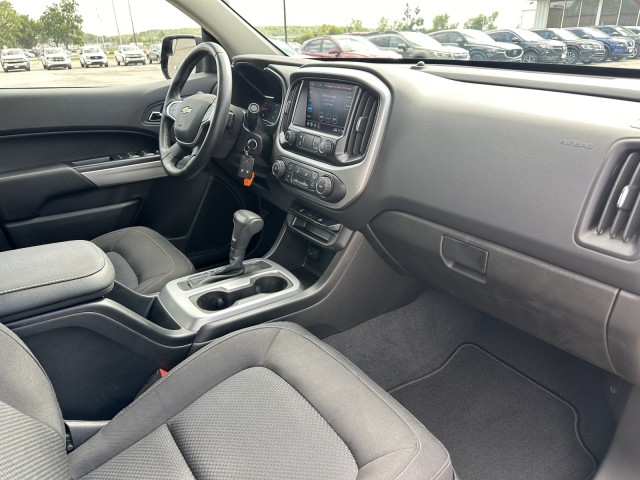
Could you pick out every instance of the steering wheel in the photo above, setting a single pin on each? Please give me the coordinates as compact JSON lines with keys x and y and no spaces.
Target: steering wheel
{"x":199,"y":121}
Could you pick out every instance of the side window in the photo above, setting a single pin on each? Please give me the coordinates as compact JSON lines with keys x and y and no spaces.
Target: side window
{"x":546,"y":34}
{"x":395,"y":42}
{"x":313,"y":46}
{"x":71,"y":43}
{"x":327,"y":46}
{"x":498,"y":36}
{"x":455,"y":38}
{"x":442,"y":37}
{"x":382,"y":42}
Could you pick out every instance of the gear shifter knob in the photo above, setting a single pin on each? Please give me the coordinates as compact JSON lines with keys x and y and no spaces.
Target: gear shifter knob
{"x":245,"y":225}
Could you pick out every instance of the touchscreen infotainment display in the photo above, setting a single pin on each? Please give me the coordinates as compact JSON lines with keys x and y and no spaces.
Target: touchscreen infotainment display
{"x":328,"y":106}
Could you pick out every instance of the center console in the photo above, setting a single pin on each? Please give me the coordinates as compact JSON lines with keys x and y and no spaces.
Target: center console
{"x":330,"y":134}
{"x":193,"y":302}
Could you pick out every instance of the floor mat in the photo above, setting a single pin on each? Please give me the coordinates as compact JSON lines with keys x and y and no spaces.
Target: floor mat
{"x":497,"y":423}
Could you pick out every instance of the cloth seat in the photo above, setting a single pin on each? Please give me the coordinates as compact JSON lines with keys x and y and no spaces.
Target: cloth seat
{"x":143,"y":260}
{"x":270,"y":401}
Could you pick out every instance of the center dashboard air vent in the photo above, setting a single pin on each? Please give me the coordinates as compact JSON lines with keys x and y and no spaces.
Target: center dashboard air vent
{"x":612,"y":224}
{"x":289,"y":106}
{"x":364,"y":118}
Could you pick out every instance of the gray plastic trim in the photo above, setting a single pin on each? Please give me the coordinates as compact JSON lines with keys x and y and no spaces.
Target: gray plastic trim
{"x":354,"y":177}
{"x":180,"y":304}
{"x":126,"y":174}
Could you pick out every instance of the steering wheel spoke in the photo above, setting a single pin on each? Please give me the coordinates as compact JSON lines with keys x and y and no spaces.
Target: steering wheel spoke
{"x":172,"y":109}
{"x":199,"y":120}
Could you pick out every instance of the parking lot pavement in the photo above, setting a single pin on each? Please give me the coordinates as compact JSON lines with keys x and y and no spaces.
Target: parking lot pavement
{"x":81,"y":77}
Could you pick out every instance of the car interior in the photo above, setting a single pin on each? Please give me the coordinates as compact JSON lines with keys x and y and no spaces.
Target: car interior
{"x":266,"y":266}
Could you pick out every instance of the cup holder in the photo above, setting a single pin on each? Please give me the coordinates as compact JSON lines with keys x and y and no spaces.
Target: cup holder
{"x":218,"y":300}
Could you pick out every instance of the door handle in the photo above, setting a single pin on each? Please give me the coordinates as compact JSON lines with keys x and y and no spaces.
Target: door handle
{"x":155,"y":116}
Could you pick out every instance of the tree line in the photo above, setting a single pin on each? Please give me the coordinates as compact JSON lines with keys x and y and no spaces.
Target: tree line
{"x":411,"y":20}
{"x":59,"y":24}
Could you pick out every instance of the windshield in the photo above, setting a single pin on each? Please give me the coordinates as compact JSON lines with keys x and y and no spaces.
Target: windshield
{"x":355,"y":44}
{"x":12,"y":51}
{"x":529,"y":36}
{"x":594,"y":32}
{"x":625,"y":31}
{"x":128,"y":33}
{"x":565,"y":34}
{"x":418,"y":39}
{"x":478,"y":37}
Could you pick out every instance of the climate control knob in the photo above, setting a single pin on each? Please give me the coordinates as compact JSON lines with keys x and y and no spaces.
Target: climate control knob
{"x":325,"y":146}
{"x":278,"y":168}
{"x":289,"y":137}
{"x":324,"y":186}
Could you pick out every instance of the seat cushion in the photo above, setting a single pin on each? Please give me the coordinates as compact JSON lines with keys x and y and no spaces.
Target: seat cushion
{"x":266,"y":402}
{"x":143,"y":260}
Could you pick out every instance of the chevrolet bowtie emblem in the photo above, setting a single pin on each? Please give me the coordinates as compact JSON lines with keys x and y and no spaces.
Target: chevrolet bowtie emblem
{"x":185,"y":110}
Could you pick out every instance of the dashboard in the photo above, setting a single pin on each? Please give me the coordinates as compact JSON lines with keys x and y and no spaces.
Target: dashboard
{"x":480,"y":188}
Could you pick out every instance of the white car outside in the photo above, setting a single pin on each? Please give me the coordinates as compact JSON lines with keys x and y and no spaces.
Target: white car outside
{"x":55,"y":57}
{"x":14,"y":59}
{"x":128,"y":54}
{"x":93,"y":55}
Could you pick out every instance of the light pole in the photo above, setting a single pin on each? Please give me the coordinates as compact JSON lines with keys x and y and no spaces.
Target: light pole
{"x":284,"y":14}
{"x":135,"y":39}
{"x":116,"y":19}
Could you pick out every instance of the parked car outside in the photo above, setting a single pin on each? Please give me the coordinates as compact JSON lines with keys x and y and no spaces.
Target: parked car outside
{"x":416,"y":45}
{"x":55,"y":57}
{"x":343,"y":46}
{"x":14,"y":59}
{"x":93,"y":55}
{"x":30,"y":53}
{"x":536,"y":49}
{"x":481,"y":47}
{"x":578,"y":50}
{"x":153,"y":54}
{"x":284,"y":47}
{"x":616,"y":48}
{"x":128,"y":54}
{"x":617,"y":31}
{"x":633,"y":28}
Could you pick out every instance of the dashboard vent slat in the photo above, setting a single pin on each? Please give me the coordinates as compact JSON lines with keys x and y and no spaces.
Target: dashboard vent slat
{"x":621,"y":211}
{"x":633,"y":224}
{"x":362,"y":126}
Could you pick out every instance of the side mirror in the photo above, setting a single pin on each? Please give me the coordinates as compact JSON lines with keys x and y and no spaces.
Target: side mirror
{"x":516,"y":41}
{"x":403,"y":46}
{"x":334,"y":51}
{"x":615,"y":34}
{"x":586,"y":36}
{"x":174,"y":50}
{"x":460,"y":43}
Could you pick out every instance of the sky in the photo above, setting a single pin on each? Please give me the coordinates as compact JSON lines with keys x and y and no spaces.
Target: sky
{"x":99,"y":17}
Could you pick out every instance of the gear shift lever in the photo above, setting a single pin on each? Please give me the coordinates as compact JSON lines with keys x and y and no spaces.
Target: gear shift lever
{"x":245,"y":225}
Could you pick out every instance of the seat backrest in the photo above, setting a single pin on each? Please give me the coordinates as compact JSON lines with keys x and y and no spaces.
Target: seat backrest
{"x":32,"y":434}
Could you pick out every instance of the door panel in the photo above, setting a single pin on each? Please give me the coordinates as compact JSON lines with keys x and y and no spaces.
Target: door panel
{"x":80,"y":162}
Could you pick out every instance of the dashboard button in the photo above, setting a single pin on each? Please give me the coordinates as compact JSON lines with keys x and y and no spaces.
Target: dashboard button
{"x":278,"y":168}
{"x":290,"y":137}
{"x":325,"y":146}
{"x":324,"y":186}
